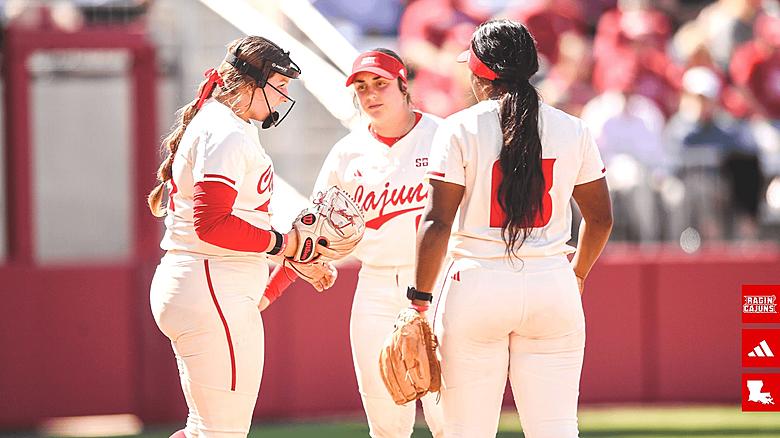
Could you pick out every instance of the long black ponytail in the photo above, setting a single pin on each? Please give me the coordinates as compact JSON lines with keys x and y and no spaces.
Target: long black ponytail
{"x":509,"y":50}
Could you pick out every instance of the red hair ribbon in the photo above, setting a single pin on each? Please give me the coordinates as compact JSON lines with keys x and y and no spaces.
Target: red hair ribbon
{"x":213,"y":80}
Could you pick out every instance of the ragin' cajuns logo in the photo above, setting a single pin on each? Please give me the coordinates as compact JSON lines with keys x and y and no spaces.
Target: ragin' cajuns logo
{"x":395,"y":197}
{"x":266,"y":184}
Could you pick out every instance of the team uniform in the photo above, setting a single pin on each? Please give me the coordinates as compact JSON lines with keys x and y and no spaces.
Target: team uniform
{"x":495,"y":313}
{"x":387,"y":182}
{"x":206,"y":290}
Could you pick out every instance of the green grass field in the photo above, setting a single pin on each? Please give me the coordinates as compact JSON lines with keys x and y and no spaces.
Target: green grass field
{"x":595,"y":422}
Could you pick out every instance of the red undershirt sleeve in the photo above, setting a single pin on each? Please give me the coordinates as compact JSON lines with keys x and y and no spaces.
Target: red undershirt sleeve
{"x":281,"y":278}
{"x":216,"y":224}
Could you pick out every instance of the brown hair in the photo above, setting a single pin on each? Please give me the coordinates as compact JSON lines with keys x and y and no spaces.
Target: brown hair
{"x":254,"y":50}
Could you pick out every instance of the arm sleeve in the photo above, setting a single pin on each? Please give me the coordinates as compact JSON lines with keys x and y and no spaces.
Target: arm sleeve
{"x":592,"y":167}
{"x":281,"y":278}
{"x":216,"y":224}
{"x":218,"y":170}
{"x":447,"y":160}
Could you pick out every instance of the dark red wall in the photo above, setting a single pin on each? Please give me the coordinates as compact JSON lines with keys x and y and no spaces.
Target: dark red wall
{"x":80,"y":341}
{"x":68,"y":342}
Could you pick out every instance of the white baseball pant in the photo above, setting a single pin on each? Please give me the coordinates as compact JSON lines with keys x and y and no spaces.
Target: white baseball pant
{"x":379,"y":297}
{"x":526,"y":321}
{"x":208,"y":309}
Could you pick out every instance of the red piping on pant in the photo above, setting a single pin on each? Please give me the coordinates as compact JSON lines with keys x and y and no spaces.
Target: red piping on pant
{"x":441,"y":292}
{"x":227,"y":329}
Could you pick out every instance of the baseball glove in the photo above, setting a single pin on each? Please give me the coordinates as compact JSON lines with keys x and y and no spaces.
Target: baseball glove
{"x":408,"y":362}
{"x":334,"y":221}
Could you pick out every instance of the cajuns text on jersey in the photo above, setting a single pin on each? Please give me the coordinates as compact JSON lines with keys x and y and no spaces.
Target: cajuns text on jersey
{"x":387,"y":182}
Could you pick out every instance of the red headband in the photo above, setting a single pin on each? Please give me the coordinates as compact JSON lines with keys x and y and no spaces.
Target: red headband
{"x":476,"y":65}
{"x":205,"y":92}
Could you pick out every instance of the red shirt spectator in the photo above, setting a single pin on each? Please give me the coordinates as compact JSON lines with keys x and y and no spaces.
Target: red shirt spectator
{"x":617,"y":26}
{"x":432,"y":34}
{"x":646,"y":71}
{"x":756,"y":66}
{"x":568,"y":85}
{"x":430,"y":20}
{"x":630,"y":56}
{"x":548,"y":20}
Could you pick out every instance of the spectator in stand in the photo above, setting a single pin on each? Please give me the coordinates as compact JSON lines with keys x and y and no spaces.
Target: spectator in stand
{"x":628,"y":129}
{"x":593,"y":10}
{"x":447,"y":90}
{"x":724,"y":25}
{"x":718,"y":162}
{"x":632,"y":148}
{"x":755,"y":68}
{"x":429,"y":32}
{"x":568,"y":84}
{"x":630,"y":13}
{"x":620,"y":97}
{"x":633,"y":38}
{"x":691,"y":48}
{"x":548,"y":21}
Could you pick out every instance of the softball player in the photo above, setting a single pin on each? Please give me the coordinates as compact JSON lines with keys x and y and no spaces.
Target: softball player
{"x":207,"y":288}
{"x":511,"y":299}
{"x":382,"y":166}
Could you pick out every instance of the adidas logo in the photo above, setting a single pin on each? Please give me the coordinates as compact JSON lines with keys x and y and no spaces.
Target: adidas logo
{"x":762,"y":350}
{"x":456,"y":276}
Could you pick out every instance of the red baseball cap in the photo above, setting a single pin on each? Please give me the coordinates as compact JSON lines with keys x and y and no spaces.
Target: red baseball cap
{"x":379,"y":63}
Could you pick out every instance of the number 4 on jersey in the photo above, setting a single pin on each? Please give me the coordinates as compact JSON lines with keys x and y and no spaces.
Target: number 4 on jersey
{"x":497,"y":214}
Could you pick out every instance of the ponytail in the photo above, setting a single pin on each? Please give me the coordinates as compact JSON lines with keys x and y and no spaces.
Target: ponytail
{"x":171,"y":142}
{"x":522,"y":187}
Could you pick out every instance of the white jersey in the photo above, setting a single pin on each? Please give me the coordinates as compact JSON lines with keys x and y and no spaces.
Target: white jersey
{"x":465,"y":152}
{"x":218,"y":146}
{"x":387,"y":182}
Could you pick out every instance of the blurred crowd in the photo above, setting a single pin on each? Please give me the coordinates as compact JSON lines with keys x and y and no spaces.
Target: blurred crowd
{"x":682,"y":97}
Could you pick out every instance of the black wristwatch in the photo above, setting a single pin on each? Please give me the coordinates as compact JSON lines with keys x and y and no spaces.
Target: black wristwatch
{"x":414,"y":294}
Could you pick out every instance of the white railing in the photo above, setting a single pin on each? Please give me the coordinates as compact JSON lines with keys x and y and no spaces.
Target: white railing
{"x":319,"y":30}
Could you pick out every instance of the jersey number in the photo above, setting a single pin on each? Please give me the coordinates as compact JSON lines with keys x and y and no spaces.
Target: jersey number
{"x":497,"y":214}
